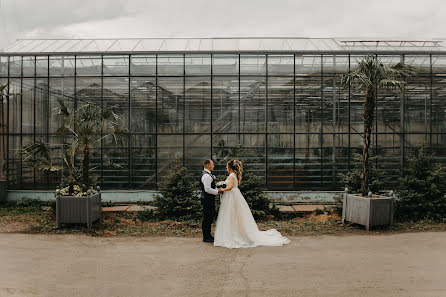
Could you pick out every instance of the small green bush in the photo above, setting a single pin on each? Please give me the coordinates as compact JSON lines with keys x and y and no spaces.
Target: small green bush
{"x":352,"y":179}
{"x":421,"y":192}
{"x":178,"y":196}
{"x":148,"y":215}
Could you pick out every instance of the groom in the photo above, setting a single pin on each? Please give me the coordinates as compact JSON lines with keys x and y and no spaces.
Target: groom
{"x":208,"y":193}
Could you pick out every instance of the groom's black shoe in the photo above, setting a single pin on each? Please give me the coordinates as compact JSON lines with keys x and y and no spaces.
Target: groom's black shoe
{"x":209,"y":239}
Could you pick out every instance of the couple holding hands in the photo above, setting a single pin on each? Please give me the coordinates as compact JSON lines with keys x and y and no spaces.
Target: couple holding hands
{"x":235,"y":226}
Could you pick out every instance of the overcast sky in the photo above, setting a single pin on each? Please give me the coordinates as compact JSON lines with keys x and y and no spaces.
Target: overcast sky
{"x":407,"y":19}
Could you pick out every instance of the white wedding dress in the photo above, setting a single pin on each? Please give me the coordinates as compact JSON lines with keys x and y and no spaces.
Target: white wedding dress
{"x":236,"y":227}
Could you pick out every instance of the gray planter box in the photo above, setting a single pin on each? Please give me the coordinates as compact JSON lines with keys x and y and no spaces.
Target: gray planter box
{"x":367,"y":211}
{"x":84,"y":210}
{"x":3,"y":190}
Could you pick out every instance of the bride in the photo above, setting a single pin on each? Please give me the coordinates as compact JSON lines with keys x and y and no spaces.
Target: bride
{"x":235,"y":226}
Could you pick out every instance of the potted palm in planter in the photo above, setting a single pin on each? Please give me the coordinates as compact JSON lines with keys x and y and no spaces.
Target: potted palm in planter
{"x":79,"y":199}
{"x":365,"y":208}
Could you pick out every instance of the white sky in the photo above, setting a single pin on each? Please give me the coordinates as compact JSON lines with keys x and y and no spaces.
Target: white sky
{"x":407,"y":19}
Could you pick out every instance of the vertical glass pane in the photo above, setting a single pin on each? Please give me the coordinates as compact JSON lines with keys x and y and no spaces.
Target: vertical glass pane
{"x":42,"y":66}
{"x":29,"y":66}
{"x":253,"y":65}
{"x":308,"y":104}
{"x":115,"y":164}
{"x":198,"y":105}
{"x":198,"y":64}
{"x":225,"y":104}
{"x":143,"y":65}
{"x":28,"y":91}
{"x":14,"y":168}
{"x":281,"y":65}
{"x":88,"y":66}
{"x":280,"y":162}
{"x":116,"y":93}
{"x":439,"y":104}
{"x":225,"y":64}
{"x":62,"y":66}
{"x":308,"y":161}
{"x":62,"y":88}
{"x":15,"y":66}
{"x":43,"y":111}
{"x":116,"y":65}
{"x":15,"y":115}
{"x":143,"y":175}
{"x":3,"y":66}
{"x":88,"y":89}
{"x":417,"y":94}
{"x":197,"y":149}
{"x":308,"y":65}
{"x":170,"y":65}
{"x":280,"y":105}
{"x":143,"y":107}
{"x":170,"y":105}
{"x":170,"y":148}
{"x":252,"y":104}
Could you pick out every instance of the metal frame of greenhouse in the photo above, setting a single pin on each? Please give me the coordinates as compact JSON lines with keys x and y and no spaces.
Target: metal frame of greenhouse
{"x":275,"y":103}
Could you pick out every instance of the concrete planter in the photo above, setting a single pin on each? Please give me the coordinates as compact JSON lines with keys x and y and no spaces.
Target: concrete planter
{"x":3,"y":190}
{"x":367,"y":211}
{"x":84,"y":210}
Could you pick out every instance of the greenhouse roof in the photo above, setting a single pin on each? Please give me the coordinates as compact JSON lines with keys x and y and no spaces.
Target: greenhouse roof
{"x":223,"y":45}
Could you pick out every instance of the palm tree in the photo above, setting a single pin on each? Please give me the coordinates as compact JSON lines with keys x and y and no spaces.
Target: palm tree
{"x":370,"y":74}
{"x":85,"y":126}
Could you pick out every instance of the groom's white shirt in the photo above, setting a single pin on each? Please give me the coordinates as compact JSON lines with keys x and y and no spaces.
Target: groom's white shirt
{"x":206,"y":179}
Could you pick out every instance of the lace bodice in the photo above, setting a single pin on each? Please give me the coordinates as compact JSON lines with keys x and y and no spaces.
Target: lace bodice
{"x":235,"y":180}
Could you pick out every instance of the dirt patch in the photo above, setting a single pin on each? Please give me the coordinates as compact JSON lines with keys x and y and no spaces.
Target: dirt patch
{"x":319,"y":218}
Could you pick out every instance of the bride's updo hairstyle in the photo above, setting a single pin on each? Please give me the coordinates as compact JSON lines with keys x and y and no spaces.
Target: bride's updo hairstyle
{"x":237,"y":166}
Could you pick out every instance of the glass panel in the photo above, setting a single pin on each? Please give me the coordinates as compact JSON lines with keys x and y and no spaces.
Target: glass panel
{"x":61,"y":66}
{"x":28,"y":105}
{"x":439,"y":104}
{"x":308,"y":65}
{"x":439,"y":64}
{"x":42,"y":66}
{"x":143,"y":65}
{"x":197,"y":149}
{"x":281,"y":65}
{"x":116,"y":65}
{"x":88,"y":66}
{"x":252,"y":104}
{"x":249,"y":148}
{"x":143,"y":162}
{"x":225,"y":104}
{"x":15,"y":66}
{"x":308,"y":104}
{"x":3,"y":66}
{"x":170,"y":105}
{"x":60,"y":88}
{"x":43,"y":111}
{"x":116,"y":93}
{"x":252,"y":65}
{"x":116,"y":153}
{"x":170,"y":147}
{"x":14,"y":164}
{"x":280,"y":162}
{"x":15,"y":115}
{"x":225,"y":64}
{"x":88,"y":89}
{"x":308,"y":162}
{"x":417,"y":105}
{"x":421,"y":63}
{"x":143,"y":107}
{"x":170,"y":65}
{"x":198,"y":64}
{"x":198,"y":104}
{"x":280,"y":104}
{"x":29,"y":66}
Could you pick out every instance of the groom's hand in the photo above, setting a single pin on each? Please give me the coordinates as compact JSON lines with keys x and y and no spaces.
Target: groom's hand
{"x":220,"y":190}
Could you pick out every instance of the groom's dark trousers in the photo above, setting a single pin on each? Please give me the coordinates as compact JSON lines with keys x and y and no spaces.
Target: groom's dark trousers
{"x":208,"y":202}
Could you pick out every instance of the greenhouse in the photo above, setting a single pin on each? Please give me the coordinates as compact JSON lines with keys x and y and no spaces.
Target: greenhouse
{"x":274,"y":103}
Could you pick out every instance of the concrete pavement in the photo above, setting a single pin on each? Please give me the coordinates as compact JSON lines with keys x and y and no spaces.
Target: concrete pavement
{"x":409,"y":264}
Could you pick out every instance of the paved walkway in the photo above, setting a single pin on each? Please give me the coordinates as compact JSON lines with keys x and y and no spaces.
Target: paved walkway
{"x":411,"y":264}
